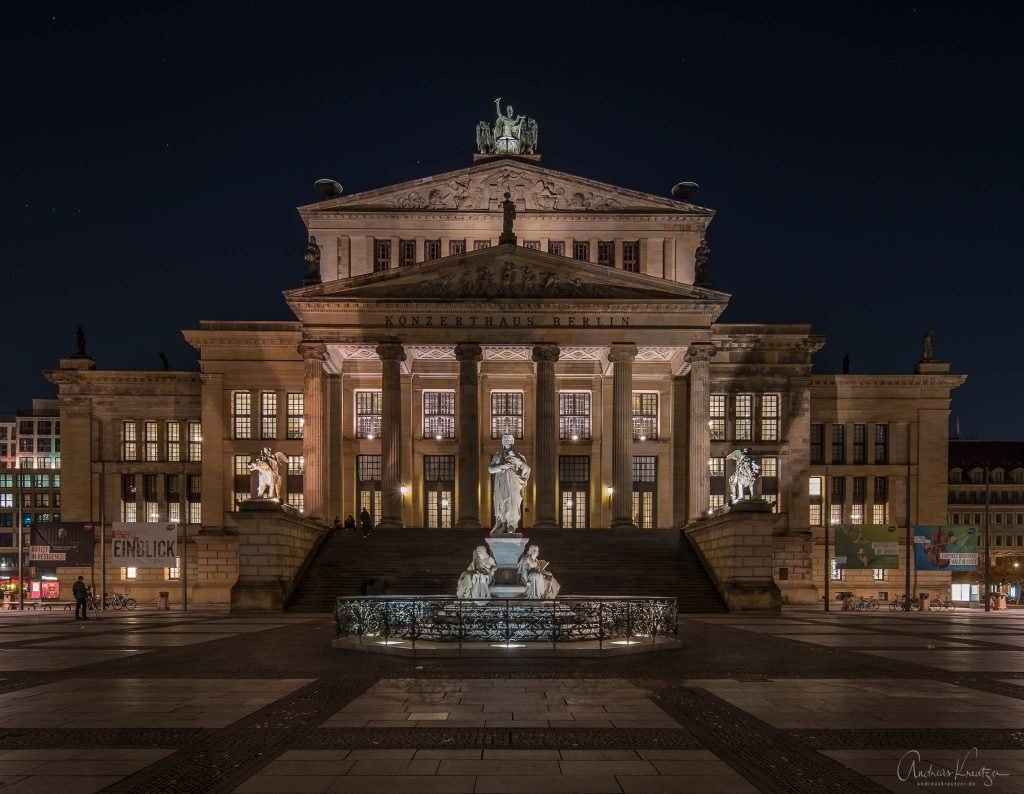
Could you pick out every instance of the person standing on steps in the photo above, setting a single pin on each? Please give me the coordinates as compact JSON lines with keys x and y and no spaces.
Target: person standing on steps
{"x":350,"y":522}
{"x":81,"y":594}
{"x":365,"y":522}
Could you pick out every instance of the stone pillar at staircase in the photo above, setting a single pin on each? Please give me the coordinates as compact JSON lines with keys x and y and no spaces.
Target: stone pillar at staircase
{"x":392,"y":354}
{"x":469,"y":356}
{"x":621,"y":356}
{"x":699,"y":356}
{"x":545,"y":447}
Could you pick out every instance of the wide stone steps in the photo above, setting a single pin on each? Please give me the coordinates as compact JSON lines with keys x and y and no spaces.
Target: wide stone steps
{"x":585,"y":562}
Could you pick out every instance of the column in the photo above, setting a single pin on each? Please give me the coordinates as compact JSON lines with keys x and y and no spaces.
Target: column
{"x":392,"y":354}
{"x":621,"y":355}
{"x":214,"y":481}
{"x":545,"y":445}
{"x":469,"y":355}
{"x":698,"y":356}
{"x":313,"y":355}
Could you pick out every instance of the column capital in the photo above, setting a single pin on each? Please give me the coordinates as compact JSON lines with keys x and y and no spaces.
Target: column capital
{"x":699,"y":352}
{"x":468,"y":351}
{"x":546,"y":351}
{"x":622,"y":351}
{"x":313,"y":350}
{"x":391,"y":351}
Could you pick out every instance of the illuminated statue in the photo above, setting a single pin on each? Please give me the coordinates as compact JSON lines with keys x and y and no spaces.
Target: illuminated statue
{"x":746,"y":474}
{"x":533,"y":572}
{"x":511,"y":134}
{"x":475,"y":581}
{"x":510,"y":472}
{"x":269,"y":467}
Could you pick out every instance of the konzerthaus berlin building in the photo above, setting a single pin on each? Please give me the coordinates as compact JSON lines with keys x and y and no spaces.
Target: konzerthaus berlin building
{"x":424,"y":332}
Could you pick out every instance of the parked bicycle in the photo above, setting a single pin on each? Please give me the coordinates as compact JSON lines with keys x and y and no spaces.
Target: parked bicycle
{"x":941,"y":605}
{"x":119,"y":601}
{"x":866,"y":603}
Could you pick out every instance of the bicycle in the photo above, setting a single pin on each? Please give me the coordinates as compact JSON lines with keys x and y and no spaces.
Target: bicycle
{"x":119,"y":601}
{"x":866,"y":603}
{"x":942,"y":604}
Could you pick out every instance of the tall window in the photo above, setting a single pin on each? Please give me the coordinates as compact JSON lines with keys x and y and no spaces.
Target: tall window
{"x":406,"y":252}
{"x":533,"y":245}
{"x":506,"y":413}
{"x":369,"y":413}
{"x":838,"y":443}
{"x":242,"y":465}
{"x":129,"y":499}
{"x":480,"y":245}
{"x":195,"y":500}
{"x":431,"y":249}
{"x":174,"y":573}
{"x":837,"y":497}
{"x":573,"y":415}
{"x":860,"y":487}
{"x":860,"y":444}
{"x":129,"y":441}
{"x":151,"y":437}
{"x":606,"y":253}
{"x":296,"y":464}
{"x":880,"y":502}
{"x":439,"y":484}
{"x":456,"y":247}
{"x":296,"y":419}
{"x":368,"y":479}
{"x":817,"y":444}
{"x":881,"y":443}
{"x":172,"y":489}
{"x":297,"y":499}
{"x":173,"y":442}
{"x":744,"y":417}
{"x":631,"y":256}
{"x":581,"y":250}
{"x":556,"y":247}
{"x":439,"y":414}
{"x":381,"y":255}
{"x":195,"y":442}
{"x":645,"y":491}
{"x":815,"y":501}
{"x":645,"y":415}
{"x":716,"y":417}
{"x":769,"y":417}
{"x":769,"y":481}
{"x":268,"y":414}
{"x":836,"y":572}
{"x":241,"y":414}
{"x":574,"y":491}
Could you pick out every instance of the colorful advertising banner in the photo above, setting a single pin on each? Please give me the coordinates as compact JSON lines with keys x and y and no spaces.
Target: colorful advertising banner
{"x":941,"y":548}
{"x":144,"y":545}
{"x":61,"y":544}
{"x":863,"y":546}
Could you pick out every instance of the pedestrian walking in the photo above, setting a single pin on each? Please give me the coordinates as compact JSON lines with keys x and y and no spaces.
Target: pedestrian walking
{"x":81,"y":594}
{"x":365,"y":522}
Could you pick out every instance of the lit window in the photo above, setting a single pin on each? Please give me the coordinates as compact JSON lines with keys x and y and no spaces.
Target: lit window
{"x":716,"y":501}
{"x":716,"y":467}
{"x":606,"y":253}
{"x":175,"y":572}
{"x":129,"y":442}
{"x":814,"y":515}
{"x":369,"y":413}
{"x":879,"y":574}
{"x":556,"y":247}
{"x":129,"y":573}
{"x":506,"y":413}
{"x":195,"y":512}
{"x":645,"y":488}
{"x":836,"y":514}
{"x":153,"y":512}
{"x":296,"y":414}
{"x":631,"y":256}
{"x":195,"y":442}
{"x":174,"y":442}
{"x":769,"y":417}
{"x":573,"y":415}
{"x":837,"y":572}
{"x":716,"y":416}
{"x":645,"y":415}
{"x":173,"y":512}
{"x":381,"y":255}
{"x":268,"y":415}
{"x":769,"y":467}
{"x":241,"y":412}
{"x":239,"y":497}
{"x":242,"y":465}
{"x":744,"y":417}
{"x":297,"y":500}
{"x":438,"y":414}
{"x":880,"y":508}
{"x":296,"y":464}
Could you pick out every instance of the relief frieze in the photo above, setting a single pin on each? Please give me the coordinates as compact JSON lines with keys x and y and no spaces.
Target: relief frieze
{"x":505,"y":321}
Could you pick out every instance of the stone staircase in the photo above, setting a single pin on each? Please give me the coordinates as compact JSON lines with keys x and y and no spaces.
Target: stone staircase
{"x":586,"y":562}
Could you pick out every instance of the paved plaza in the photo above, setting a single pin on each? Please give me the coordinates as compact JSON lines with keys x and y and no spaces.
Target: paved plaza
{"x":800,"y":701}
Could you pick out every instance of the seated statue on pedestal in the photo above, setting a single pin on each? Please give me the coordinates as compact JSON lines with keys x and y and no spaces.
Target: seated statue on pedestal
{"x":475,"y":581}
{"x":533,"y":572}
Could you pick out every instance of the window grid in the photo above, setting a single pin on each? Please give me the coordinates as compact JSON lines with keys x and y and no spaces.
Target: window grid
{"x":645,"y":415}
{"x":241,"y":409}
{"x":556,"y":247}
{"x":406,"y":253}
{"x":298,"y":501}
{"x":268,"y":415}
{"x":480,"y":245}
{"x":174,"y":442}
{"x":296,"y":464}
{"x":439,"y":468}
{"x":631,"y":256}
{"x":837,"y":572}
{"x":506,"y":413}
{"x":817,"y":444}
{"x":129,"y":442}
{"x":242,"y":465}
{"x":838,"y":444}
{"x":860,"y":441}
{"x":606,"y":253}
{"x":573,"y":502}
{"x":195,"y":442}
{"x":744,"y":406}
{"x":645,"y":468}
{"x":716,"y":417}
{"x":151,"y":436}
{"x":368,"y":468}
{"x":381,"y":255}
{"x":716,"y":467}
{"x":878,"y":574}
{"x":573,"y":415}
{"x":581,"y":250}
{"x":431,"y":249}
{"x":174,"y":573}
{"x":881,"y":443}
{"x":456,"y":247}
{"x":533,"y":245}
{"x":369,"y":413}
{"x":439,"y":414}
{"x":195,"y":512}
{"x":769,"y":417}
{"x":296,"y":420}
{"x":574,"y":469}
{"x":439,"y":506}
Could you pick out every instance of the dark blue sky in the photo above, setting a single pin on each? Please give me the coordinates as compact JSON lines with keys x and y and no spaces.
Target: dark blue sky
{"x":865,"y":160}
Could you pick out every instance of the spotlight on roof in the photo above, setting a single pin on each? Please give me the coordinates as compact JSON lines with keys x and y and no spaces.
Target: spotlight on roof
{"x":685,"y":191}
{"x":328,"y":188}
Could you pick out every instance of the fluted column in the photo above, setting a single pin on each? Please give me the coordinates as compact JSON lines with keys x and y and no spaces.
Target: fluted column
{"x":698,"y":356}
{"x":313,"y":355}
{"x":392,"y":354}
{"x":621,"y":355}
{"x":545,"y":445}
{"x":469,"y":356}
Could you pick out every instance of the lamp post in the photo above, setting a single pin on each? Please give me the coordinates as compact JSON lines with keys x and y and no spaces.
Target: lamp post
{"x":21,"y":539}
{"x":826,"y":519}
{"x":988,"y":546}
{"x":909,"y":544}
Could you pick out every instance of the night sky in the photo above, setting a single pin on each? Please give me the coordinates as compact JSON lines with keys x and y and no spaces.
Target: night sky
{"x":865,"y":161}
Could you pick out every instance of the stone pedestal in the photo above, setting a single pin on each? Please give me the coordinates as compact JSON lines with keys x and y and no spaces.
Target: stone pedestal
{"x":506,"y":551}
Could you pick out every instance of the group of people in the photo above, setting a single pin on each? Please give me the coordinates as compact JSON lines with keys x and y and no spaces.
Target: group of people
{"x":365,"y":522}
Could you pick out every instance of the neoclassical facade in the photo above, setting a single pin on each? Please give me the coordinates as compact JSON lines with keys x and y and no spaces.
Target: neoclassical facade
{"x":431,"y":321}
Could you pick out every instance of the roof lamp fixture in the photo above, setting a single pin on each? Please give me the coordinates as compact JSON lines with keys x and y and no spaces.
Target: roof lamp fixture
{"x":405,"y":490}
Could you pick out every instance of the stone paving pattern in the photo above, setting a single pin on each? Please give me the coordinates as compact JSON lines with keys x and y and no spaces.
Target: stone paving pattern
{"x":800,"y":701}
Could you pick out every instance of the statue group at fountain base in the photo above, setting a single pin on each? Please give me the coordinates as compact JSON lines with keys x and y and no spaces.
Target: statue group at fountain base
{"x":507,"y":567}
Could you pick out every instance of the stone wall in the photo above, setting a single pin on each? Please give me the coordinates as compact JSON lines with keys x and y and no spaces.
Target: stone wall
{"x":791,"y":558}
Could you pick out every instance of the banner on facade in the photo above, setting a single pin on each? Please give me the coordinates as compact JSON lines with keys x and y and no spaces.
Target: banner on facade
{"x":942,"y":548}
{"x":61,"y":544}
{"x":863,"y":546}
{"x":144,"y":545}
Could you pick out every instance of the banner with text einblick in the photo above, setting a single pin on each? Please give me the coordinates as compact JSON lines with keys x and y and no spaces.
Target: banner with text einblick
{"x":144,"y":545}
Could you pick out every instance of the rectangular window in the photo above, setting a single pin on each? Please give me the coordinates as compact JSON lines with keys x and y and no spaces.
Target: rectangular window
{"x":439,"y":490}
{"x":153,"y":512}
{"x":406,"y":253}
{"x":879,"y":574}
{"x":242,"y":465}
{"x":195,"y":512}
{"x":44,"y":445}
{"x":438,"y":414}
{"x":716,"y":501}
{"x":151,"y":436}
{"x":606,"y":253}
{"x":296,"y":464}
{"x":645,"y":491}
{"x":814,"y":515}
{"x":744,"y":417}
{"x":431,"y":249}
{"x":770,"y":417}
{"x":533,"y":245}
{"x":456,"y":247}
{"x":631,"y":256}
{"x":573,"y":415}
{"x":716,"y":417}
{"x":195,"y":442}
{"x":174,"y":442}
{"x":860,"y":444}
{"x":574,"y":491}
{"x":369,"y":413}
{"x":296,"y":420}
{"x":880,"y":506}
{"x":268,"y":414}
{"x":556,"y":247}
{"x":769,"y":482}
{"x":439,"y":468}
{"x":129,"y":512}
{"x":838,"y":443}
{"x":817,"y":444}
{"x":881,"y":443}
{"x":716,"y":467}
{"x":381,"y":255}
{"x":837,"y":572}
{"x":368,"y":477}
{"x":506,"y":413}
{"x":239,"y":497}
{"x":480,"y":245}
{"x":241,"y":414}
{"x":297,"y":499}
{"x":173,"y":574}
{"x":581,"y":250}
{"x":129,"y":573}
{"x":129,"y":442}
{"x":29,"y":444}
{"x":193,"y":485}
{"x":645,"y":415}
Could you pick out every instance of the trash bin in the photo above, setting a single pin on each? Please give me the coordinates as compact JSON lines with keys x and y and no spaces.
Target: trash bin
{"x":924,"y":602}
{"x":165,"y":601}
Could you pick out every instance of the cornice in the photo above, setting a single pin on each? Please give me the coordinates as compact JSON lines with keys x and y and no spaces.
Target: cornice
{"x":947,"y":381}
{"x":113,"y":377}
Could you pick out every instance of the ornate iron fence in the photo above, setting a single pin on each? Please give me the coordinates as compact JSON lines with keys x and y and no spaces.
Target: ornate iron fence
{"x":400,"y":619}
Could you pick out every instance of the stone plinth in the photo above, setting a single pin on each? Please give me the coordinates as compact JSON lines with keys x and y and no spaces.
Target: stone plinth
{"x":274,"y":543}
{"x":736,"y":548}
{"x":506,"y":551}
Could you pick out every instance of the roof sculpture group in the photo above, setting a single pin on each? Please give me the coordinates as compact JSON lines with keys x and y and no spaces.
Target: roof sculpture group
{"x":511,"y":134}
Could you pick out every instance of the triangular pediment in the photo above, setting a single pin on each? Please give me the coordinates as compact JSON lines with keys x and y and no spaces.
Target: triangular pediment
{"x":505,"y":272}
{"x":482,"y":187}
